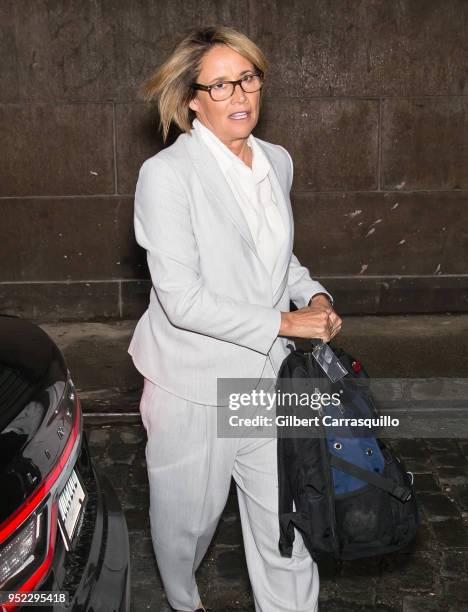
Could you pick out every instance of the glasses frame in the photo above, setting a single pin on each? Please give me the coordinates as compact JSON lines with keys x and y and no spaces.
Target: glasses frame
{"x":208,"y":88}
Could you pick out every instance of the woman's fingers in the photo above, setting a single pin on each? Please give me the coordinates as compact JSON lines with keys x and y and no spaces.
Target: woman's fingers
{"x":314,"y":322}
{"x":335,"y":331}
{"x":335,"y":324}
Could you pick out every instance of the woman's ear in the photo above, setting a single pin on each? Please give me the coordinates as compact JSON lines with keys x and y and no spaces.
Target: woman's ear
{"x":193,"y":104}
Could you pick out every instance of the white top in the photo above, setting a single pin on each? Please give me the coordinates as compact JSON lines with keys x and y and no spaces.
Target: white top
{"x":253,"y":192}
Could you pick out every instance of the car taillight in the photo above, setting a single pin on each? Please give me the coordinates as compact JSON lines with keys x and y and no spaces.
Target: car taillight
{"x":24,"y":549}
{"x":27,"y":537}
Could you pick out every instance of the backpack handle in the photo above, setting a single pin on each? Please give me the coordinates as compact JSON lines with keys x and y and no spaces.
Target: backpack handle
{"x":316,"y":341}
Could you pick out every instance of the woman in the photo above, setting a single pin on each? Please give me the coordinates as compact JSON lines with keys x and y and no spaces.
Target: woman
{"x":213,"y":212}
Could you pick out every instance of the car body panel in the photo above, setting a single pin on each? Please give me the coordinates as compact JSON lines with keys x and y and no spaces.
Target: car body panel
{"x":42,"y":442}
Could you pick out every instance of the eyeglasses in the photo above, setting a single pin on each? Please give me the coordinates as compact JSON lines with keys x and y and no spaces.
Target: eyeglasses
{"x":225,"y":89}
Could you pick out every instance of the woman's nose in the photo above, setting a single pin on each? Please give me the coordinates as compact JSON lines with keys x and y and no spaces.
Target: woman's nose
{"x":238,"y":93}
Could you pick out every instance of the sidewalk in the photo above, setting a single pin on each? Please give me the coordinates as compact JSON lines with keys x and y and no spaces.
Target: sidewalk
{"x":429,"y":576}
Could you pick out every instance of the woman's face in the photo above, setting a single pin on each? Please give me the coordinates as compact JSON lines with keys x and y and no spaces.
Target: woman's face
{"x":221,"y":63}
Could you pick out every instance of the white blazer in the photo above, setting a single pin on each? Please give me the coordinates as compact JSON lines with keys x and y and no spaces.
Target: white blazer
{"x":214,"y":310}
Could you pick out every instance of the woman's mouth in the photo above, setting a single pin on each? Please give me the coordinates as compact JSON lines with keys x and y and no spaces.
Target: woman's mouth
{"x":239,"y":116}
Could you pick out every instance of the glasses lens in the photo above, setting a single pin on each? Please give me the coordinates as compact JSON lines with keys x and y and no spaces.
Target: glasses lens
{"x":221,"y":91}
{"x":251,"y":83}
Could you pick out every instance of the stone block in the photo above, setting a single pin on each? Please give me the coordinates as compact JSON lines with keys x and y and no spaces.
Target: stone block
{"x":69,"y":239}
{"x":333,"y":143}
{"x":137,"y":137}
{"x":424,"y":143}
{"x":449,"y":460}
{"x":340,"y":605}
{"x":378,"y":48}
{"x":442,"y":446}
{"x":81,"y":50}
{"x":410,"y":448}
{"x":56,"y":149}
{"x":426,"y":483}
{"x":457,"y":592}
{"x":9,"y":65}
{"x":406,"y":572}
{"x":424,"y":540}
{"x":421,"y":603}
{"x":231,"y":564}
{"x":438,"y":507}
{"x":135,"y":297}
{"x":137,"y":519}
{"x":451,"y":534}
{"x":64,"y":51}
{"x":358,"y":294}
{"x":229,"y":532}
{"x":454,"y":564}
{"x":144,"y":34}
{"x":368,"y":234}
{"x":453,"y":475}
{"x":460,"y":495}
{"x":97,"y":356}
{"x":61,"y":301}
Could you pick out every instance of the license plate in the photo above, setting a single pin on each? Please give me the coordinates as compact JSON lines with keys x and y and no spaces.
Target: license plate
{"x":70,"y":507}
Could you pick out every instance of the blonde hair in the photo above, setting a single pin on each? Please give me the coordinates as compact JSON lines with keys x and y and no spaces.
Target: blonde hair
{"x":170,"y":85}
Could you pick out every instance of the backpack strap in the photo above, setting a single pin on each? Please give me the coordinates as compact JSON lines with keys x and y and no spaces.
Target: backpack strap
{"x":401,"y":492}
{"x":288,"y":521}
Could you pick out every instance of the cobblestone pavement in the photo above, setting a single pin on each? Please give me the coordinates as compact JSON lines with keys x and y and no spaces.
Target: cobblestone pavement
{"x":432,"y":575}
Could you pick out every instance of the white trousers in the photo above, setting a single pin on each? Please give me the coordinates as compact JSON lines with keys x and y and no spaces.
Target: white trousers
{"x":189,"y":471}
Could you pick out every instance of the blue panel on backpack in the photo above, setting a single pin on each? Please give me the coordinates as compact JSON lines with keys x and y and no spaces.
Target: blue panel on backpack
{"x":355,"y":451}
{"x":351,"y":443}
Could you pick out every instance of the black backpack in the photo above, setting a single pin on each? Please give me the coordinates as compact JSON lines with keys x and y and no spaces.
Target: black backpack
{"x":353,"y":496}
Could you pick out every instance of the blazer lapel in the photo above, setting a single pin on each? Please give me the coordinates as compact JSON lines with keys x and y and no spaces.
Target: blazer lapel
{"x":216,"y":185}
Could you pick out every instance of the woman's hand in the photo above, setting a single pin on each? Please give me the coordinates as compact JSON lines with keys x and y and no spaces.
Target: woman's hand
{"x":318,"y":320}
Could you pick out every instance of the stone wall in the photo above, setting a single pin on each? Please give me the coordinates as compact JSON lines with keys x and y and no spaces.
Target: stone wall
{"x":369,"y":97}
